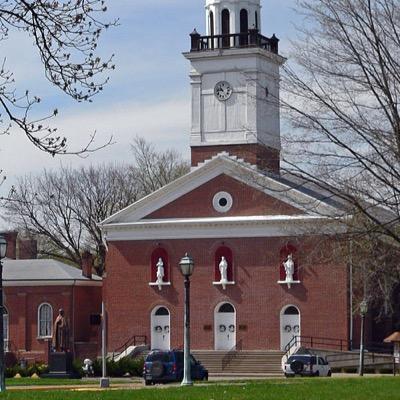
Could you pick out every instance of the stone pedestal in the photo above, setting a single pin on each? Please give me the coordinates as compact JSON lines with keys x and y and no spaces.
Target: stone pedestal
{"x":60,"y":366}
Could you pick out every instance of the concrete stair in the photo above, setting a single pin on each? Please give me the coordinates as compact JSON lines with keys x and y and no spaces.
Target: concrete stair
{"x":241,"y":363}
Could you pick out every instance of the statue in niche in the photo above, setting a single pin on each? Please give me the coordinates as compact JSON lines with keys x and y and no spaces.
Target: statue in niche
{"x":60,"y":333}
{"x":160,"y":273}
{"x":289,"y":269}
{"x":223,"y":270}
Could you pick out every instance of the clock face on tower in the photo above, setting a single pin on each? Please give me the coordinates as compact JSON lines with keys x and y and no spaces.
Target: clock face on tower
{"x":223,"y":90}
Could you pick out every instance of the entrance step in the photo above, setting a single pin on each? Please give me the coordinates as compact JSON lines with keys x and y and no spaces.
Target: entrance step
{"x":241,"y":362}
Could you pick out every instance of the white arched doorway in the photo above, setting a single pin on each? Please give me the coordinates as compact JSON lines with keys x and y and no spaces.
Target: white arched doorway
{"x":224,"y":327}
{"x":290,"y":324}
{"x":160,"y":328}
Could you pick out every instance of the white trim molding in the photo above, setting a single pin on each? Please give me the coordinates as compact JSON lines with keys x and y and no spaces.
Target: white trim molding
{"x":288,"y":283}
{"x":224,"y":227}
{"x":223,"y":283}
{"x":160,"y":284}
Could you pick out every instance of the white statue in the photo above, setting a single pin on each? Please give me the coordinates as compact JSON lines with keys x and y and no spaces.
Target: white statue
{"x":160,"y":272}
{"x":289,"y":269}
{"x":223,"y":270}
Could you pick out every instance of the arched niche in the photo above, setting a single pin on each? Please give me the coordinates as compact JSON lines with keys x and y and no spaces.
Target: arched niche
{"x":284,"y":253}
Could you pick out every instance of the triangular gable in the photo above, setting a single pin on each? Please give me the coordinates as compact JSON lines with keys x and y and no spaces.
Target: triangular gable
{"x":222,"y":164}
{"x":247,"y":201}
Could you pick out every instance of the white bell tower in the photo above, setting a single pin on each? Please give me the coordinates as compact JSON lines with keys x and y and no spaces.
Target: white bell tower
{"x":235,"y":86}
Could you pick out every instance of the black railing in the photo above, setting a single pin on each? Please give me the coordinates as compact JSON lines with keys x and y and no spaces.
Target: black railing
{"x":252,"y":38}
{"x":135,"y":340}
{"x":317,"y":342}
{"x":231,"y":354}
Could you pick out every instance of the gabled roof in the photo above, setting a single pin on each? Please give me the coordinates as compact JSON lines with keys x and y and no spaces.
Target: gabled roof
{"x":45,"y":270}
{"x":276,"y":186}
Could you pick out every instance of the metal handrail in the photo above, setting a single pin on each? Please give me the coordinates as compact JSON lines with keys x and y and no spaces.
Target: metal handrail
{"x":312,"y":341}
{"x":134,"y":340}
{"x":231,"y":354}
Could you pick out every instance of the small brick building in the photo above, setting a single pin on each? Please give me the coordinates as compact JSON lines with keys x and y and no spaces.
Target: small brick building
{"x":272,"y":231}
{"x":35,"y":289}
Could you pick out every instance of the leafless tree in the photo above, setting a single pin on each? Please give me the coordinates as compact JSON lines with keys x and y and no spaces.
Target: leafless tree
{"x":65,"y":33}
{"x":153,"y":169}
{"x":340,"y":97}
{"x":341,"y":94}
{"x":63,"y":207}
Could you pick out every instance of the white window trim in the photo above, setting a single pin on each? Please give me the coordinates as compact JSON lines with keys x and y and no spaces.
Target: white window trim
{"x":39,"y":336}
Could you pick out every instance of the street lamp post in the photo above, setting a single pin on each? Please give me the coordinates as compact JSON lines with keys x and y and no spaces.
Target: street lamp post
{"x":187,"y":265}
{"x":363,"y":312}
{"x":3,"y":250}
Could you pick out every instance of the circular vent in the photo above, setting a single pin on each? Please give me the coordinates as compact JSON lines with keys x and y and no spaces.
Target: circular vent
{"x":222,"y":202}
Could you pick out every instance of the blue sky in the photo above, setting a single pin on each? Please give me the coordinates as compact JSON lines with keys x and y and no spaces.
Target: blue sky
{"x":148,"y":94}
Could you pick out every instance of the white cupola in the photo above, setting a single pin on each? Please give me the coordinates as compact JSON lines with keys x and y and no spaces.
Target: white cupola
{"x":232,"y":16}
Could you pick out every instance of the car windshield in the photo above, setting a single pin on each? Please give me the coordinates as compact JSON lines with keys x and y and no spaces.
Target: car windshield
{"x":163,"y":357}
{"x":303,"y":359}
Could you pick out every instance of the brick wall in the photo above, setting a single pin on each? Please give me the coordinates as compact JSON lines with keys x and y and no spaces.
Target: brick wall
{"x":246,"y":201}
{"x":22,"y":304}
{"x":258,"y":298}
{"x":264,"y":157}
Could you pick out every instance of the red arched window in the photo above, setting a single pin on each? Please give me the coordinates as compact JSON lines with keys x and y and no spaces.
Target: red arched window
{"x":285,"y":251}
{"x":226,"y":252}
{"x":155,"y":256}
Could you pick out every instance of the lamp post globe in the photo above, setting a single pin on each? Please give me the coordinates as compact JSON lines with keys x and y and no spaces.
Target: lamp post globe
{"x":186,"y":265}
{"x":3,"y":251}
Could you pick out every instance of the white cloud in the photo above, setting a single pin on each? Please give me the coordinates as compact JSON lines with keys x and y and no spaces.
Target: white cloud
{"x":166,"y":124}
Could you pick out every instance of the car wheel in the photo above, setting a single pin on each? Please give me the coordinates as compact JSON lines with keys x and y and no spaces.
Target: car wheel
{"x":289,"y":375}
{"x":157,"y":369}
{"x":297,"y":366}
{"x":329,"y":373}
{"x":147,"y":383}
{"x":317,"y":373}
{"x":205,"y":377}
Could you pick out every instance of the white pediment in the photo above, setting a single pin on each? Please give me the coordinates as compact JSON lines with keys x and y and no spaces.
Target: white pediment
{"x":223,"y":163}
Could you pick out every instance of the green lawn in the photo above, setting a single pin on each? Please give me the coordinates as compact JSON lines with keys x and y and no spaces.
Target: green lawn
{"x":54,"y":381}
{"x":385,"y":388}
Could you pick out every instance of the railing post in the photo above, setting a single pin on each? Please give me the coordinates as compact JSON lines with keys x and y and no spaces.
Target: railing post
{"x":253,"y":34}
{"x":195,"y":41}
{"x":274,"y":44}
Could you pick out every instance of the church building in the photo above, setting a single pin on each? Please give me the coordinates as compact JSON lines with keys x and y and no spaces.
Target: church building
{"x":263,"y":244}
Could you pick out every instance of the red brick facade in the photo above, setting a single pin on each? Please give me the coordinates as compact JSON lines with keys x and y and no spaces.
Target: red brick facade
{"x":258,"y":298}
{"x":264,"y":157}
{"x":247,"y":202}
{"x":78,"y":302}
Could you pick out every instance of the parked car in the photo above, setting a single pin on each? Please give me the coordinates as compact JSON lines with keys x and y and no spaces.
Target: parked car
{"x":306,"y":365}
{"x":162,"y":366}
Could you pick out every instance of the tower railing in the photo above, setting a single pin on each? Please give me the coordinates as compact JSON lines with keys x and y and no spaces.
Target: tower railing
{"x":252,"y":38}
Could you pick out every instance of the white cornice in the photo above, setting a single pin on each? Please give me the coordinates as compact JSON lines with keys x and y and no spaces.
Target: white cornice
{"x":234,"y":53}
{"x":223,"y":227}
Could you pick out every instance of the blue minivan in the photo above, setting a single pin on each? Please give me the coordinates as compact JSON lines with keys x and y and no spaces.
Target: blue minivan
{"x":162,"y":366}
